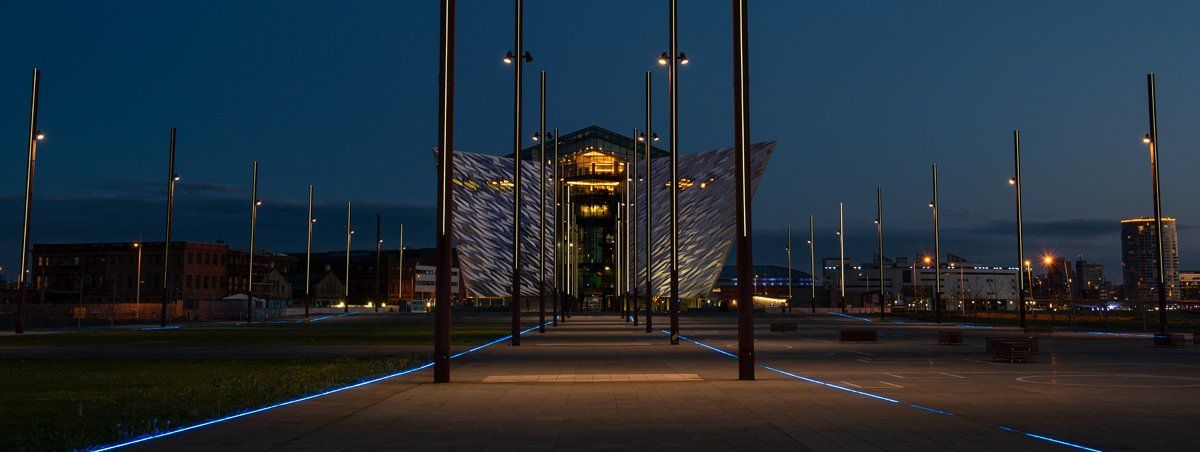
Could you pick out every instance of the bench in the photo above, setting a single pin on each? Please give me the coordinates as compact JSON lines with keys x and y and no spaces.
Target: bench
{"x":1170,"y":340}
{"x":1011,"y":351}
{"x":783,"y":327}
{"x":858,"y":336}
{"x":950,"y":337}
{"x":1030,"y":340}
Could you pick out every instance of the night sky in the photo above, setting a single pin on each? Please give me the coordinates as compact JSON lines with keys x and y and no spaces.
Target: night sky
{"x":858,"y":94}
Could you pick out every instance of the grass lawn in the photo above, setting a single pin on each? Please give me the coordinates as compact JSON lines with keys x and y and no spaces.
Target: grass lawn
{"x":73,"y":404}
{"x":1124,"y":321}
{"x":270,"y":334}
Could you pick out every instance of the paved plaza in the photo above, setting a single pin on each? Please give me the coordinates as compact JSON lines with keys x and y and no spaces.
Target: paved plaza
{"x":597,"y":382}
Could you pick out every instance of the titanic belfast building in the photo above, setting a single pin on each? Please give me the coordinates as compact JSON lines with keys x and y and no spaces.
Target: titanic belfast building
{"x":588,"y":248}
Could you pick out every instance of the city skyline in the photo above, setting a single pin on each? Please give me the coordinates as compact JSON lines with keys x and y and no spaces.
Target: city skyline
{"x":947,"y":84}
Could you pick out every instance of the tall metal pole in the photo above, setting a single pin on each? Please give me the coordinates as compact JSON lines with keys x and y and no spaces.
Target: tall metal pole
{"x":400,"y":276}
{"x":630,"y":249}
{"x":788,"y":304}
{"x":378,"y":260}
{"x":308,"y":254}
{"x":519,"y":46}
{"x":542,"y":210}
{"x":349,"y":232}
{"x":649,"y":215}
{"x":138,"y":290}
{"x":937,"y":253}
{"x":30,"y":163}
{"x":556,"y":185}
{"x":842,"y":254}
{"x":673,"y":87}
{"x":879,"y":234}
{"x":254,"y":203}
{"x":445,"y":196}
{"x":812,"y":267}
{"x":172,"y":177}
{"x":741,"y":169}
{"x":633,"y":235}
{"x":1158,"y":219}
{"x":1020,"y":228}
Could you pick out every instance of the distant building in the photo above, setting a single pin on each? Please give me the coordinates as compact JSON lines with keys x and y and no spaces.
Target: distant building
{"x":770,"y":282}
{"x":1089,"y":282}
{"x":109,"y":272}
{"x":1139,"y":259}
{"x":1189,"y":285}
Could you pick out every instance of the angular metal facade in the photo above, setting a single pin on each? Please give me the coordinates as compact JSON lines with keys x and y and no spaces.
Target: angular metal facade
{"x":482,"y":228}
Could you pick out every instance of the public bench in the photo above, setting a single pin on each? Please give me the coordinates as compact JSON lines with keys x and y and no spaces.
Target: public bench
{"x":1030,"y":340}
{"x":1170,"y":340}
{"x":950,"y":337}
{"x":781,"y":327}
{"x":1017,"y":351}
{"x":858,"y":336}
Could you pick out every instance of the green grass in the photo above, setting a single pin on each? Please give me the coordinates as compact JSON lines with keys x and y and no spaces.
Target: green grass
{"x":282,"y":334}
{"x":74,"y":404}
{"x":1123,"y":321}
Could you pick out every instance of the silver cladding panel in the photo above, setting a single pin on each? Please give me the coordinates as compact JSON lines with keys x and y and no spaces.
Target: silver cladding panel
{"x":482,"y":225}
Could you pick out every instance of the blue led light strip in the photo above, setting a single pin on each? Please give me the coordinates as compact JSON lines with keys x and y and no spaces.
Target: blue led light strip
{"x":1049,"y":439}
{"x":885,"y":399}
{"x":848,"y":316}
{"x":156,"y":328}
{"x":301,"y":399}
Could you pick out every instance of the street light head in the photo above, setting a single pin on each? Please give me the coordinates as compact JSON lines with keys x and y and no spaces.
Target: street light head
{"x":641,"y":136}
{"x":509,"y":57}
{"x":176,"y":178}
{"x":314,"y":220}
{"x":931,"y":204}
{"x":683,"y":58}
{"x":527,"y":56}
{"x":876,"y":221}
{"x":662,"y":59}
{"x":257,"y":202}
{"x":1012,"y":181}
{"x":39,"y":135}
{"x":1028,"y":264}
{"x":1048,"y":260}
{"x":535,"y":137}
{"x":654,"y":137}
{"x":136,"y":244}
{"x":1145,"y":139}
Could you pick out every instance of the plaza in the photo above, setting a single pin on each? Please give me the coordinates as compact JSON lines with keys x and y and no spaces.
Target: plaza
{"x":597,"y":382}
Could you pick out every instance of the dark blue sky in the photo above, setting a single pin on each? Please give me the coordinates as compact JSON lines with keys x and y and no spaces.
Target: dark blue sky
{"x":342,"y":95}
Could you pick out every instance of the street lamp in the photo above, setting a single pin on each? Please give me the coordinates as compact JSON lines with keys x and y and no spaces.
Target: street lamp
{"x":172,"y":179}
{"x":35,"y":135}
{"x":674,"y":57}
{"x":1015,"y":181}
{"x":308,"y":253}
{"x":647,"y":149}
{"x":518,"y":86}
{"x":445,"y":156}
{"x":1151,"y":139}
{"x":254,"y":204}
{"x":937,"y":252}
{"x":349,"y":234}
{"x":138,"y":289}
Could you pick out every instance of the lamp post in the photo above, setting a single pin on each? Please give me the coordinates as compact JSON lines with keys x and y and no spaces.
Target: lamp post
{"x":542,"y":209}
{"x":1151,"y":139}
{"x":254,"y":203}
{"x":172,"y":178}
{"x":308,"y":253}
{"x":787,"y":305}
{"x":672,"y":59}
{"x":518,"y":58}
{"x":137,"y":297}
{"x":1021,"y":263}
{"x":842,"y":255}
{"x":349,"y":233}
{"x":445,"y":195}
{"x":742,"y":192}
{"x":35,"y":135}
{"x":555,"y":184}
{"x":378,"y":260}
{"x":649,"y":137}
{"x":400,"y":276}
{"x":630,"y":230}
{"x":879,"y":235}
{"x":633,"y":234}
{"x":812,"y":267}
{"x":937,"y":252}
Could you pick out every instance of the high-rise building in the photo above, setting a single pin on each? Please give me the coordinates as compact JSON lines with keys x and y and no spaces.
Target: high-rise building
{"x":1139,"y":258}
{"x":1088,"y":280}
